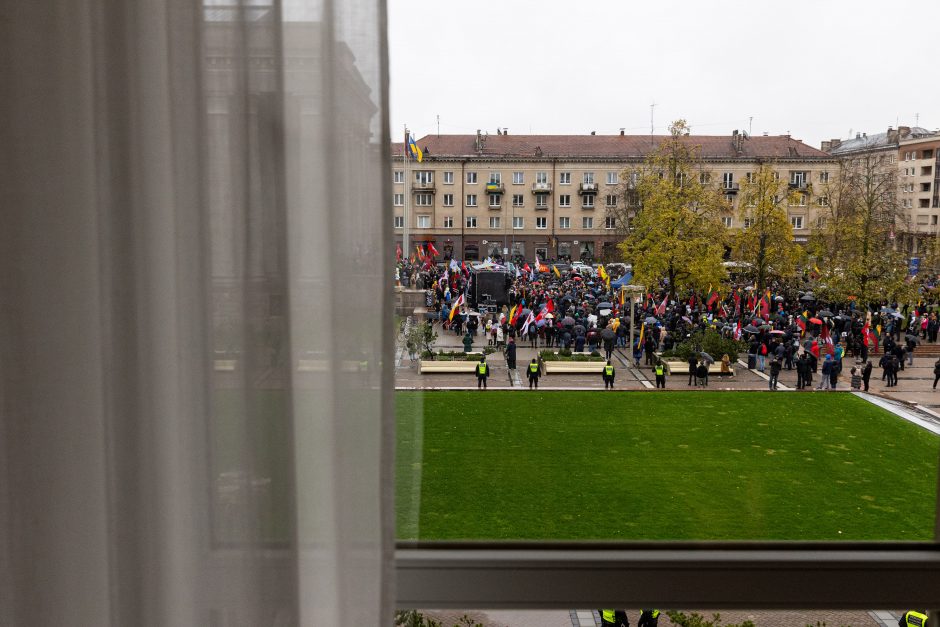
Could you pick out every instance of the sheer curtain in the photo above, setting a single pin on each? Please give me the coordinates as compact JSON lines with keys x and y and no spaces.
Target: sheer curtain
{"x":195,"y":422}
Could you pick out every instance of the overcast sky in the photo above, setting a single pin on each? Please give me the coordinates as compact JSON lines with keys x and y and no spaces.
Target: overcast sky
{"x":815,"y":68}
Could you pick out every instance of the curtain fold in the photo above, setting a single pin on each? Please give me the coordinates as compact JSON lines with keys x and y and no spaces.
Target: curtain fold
{"x":195,"y":421}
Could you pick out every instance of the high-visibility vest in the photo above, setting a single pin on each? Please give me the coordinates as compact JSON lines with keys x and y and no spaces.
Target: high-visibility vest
{"x":659,"y":370}
{"x":608,"y":616}
{"x":609,"y":371}
{"x":481,"y":368}
{"x":533,"y":368}
{"x":915,"y":619}
{"x":654,"y":613}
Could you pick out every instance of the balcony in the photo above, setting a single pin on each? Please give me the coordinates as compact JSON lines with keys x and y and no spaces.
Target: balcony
{"x":542,"y":188}
{"x":496,"y":207}
{"x":427,"y":188}
{"x":587,"y":188}
{"x":495,"y":188}
{"x":734,"y":188}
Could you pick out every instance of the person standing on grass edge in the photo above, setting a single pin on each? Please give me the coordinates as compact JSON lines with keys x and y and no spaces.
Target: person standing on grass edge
{"x":660,"y":374}
{"x":775,"y":366}
{"x":483,"y":371}
{"x":866,"y":373}
{"x":533,"y":373}
{"x":511,"y":354}
{"x":936,"y":375}
{"x":608,"y":375}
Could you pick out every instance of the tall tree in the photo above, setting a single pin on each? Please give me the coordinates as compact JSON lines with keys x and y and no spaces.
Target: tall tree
{"x":854,"y":246}
{"x":676,"y":233}
{"x":765,"y":242}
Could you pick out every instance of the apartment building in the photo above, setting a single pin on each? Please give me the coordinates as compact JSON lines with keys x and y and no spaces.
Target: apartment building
{"x":556,"y":196}
{"x":908,"y":154}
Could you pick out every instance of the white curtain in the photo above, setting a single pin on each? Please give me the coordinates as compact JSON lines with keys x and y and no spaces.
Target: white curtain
{"x":195,"y":422}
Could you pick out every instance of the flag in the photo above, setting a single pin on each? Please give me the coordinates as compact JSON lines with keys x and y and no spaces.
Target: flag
{"x":398,"y":252}
{"x":512,"y":313}
{"x":420,"y":252}
{"x":549,"y":306}
{"x":801,"y":322}
{"x":463,"y":266}
{"x":622,"y":298}
{"x":711,"y":299}
{"x":639,"y":340}
{"x":602,"y":273}
{"x":737,"y":303}
{"x":765,"y":305}
{"x":453,"y":310}
{"x":413,"y":151}
{"x":662,"y":307}
{"x":555,"y":270}
{"x":525,"y":327}
{"x":527,"y":269}
{"x":432,"y":251}
{"x":454,"y":266}
{"x":826,"y":339}
{"x":738,"y":331}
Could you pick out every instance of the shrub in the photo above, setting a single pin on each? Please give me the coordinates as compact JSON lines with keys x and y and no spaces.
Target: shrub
{"x":565,"y":352}
{"x":709,"y":341}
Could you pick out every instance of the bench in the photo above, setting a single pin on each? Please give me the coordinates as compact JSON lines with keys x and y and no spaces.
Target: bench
{"x":427,"y":366}
{"x":574,"y":367}
{"x":681,"y":367}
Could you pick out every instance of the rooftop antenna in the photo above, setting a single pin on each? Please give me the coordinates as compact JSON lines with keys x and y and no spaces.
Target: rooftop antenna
{"x":916,"y":119}
{"x":652,"y":107}
{"x":750,"y":125}
{"x":438,"y":126}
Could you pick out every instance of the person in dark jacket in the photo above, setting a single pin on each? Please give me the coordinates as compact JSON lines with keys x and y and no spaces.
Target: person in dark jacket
{"x":483,"y":372}
{"x":775,"y":367}
{"x":608,"y":375}
{"x":533,"y":372}
{"x":648,"y":618}
{"x":802,"y":365}
{"x":866,"y":373}
{"x":693,"y":362}
{"x":511,"y":354}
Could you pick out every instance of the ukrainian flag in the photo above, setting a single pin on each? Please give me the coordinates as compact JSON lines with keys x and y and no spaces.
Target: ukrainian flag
{"x":413,"y":151}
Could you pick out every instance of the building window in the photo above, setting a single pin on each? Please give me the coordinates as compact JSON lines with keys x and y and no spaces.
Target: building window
{"x":588,"y":178}
{"x":823,"y":201}
{"x":611,"y":178}
{"x":424,"y":222}
{"x":541,"y":223}
{"x":424,"y":200}
{"x":541,"y":202}
{"x":748,"y":222}
{"x":518,"y":222}
{"x":494,"y":222}
{"x":727,"y":180}
{"x":776,"y":176}
{"x":471,"y":178}
{"x":495,"y":178}
{"x":927,"y":154}
{"x":611,"y":200}
{"x":796,"y":222}
{"x":587,"y":222}
{"x":471,"y":200}
{"x":471,"y":222}
{"x":399,"y":222}
{"x":823,"y":177}
{"x":448,"y":222}
{"x":798,"y":179}
{"x":587,"y":201}
{"x":541,"y":177}
{"x":799,"y":200}
{"x":564,"y":178}
{"x":448,"y":200}
{"x":517,"y":200}
{"x":495,"y":200}
{"x":728,"y":221}
{"x":448,"y":178}
{"x":933,"y":220}
{"x":564,"y":200}
{"x":424,"y":177}
{"x":564,"y":223}
{"x":704,"y":178}
{"x":750,"y":176}
{"x":399,"y":176}
{"x":610,"y":223}
{"x":398,"y":200}
{"x":518,"y":178}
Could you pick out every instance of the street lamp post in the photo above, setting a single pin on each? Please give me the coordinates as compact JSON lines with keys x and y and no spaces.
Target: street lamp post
{"x":633,"y":289}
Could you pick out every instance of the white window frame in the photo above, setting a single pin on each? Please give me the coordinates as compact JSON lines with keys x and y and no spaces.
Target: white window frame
{"x":471,"y":200}
{"x":398,"y":200}
{"x":728,"y":221}
{"x":541,"y":222}
{"x":518,"y":178}
{"x":541,"y":177}
{"x":612,"y":178}
{"x":564,"y":200}
{"x":796,"y":223}
{"x":424,"y":177}
{"x":399,"y":176}
{"x":424,"y":222}
{"x":518,"y":200}
{"x":564,"y":178}
{"x":587,"y":201}
{"x":518,"y":222}
{"x":471,"y":222}
{"x":611,"y":200}
{"x":824,"y":176}
{"x":564,"y":223}
{"x":471,"y":178}
{"x":399,"y":222}
{"x":424,"y":199}
{"x":610,"y":222}
{"x":495,"y":222}
{"x":496,"y":178}
{"x":448,"y":178}
{"x":448,"y":222}
{"x":587,"y":178}
{"x":496,"y":201}
{"x":541,"y":201}
{"x":587,"y":222}
{"x":727,"y":180}
{"x":447,"y":200}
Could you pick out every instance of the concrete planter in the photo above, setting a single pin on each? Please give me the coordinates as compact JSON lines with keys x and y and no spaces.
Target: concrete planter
{"x":574,"y":367}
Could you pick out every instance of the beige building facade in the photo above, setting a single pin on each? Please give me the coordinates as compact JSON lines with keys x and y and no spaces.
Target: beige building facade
{"x":559,"y":196}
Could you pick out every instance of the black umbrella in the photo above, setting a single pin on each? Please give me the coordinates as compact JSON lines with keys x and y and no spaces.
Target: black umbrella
{"x":750,"y":329}
{"x":651,"y":320}
{"x":579,"y":329}
{"x":567,"y":321}
{"x":707,"y":358}
{"x":605,"y":305}
{"x":807,"y":297}
{"x":608,"y":334}
{"x":913,"y":338}
{"x":825,"y":313}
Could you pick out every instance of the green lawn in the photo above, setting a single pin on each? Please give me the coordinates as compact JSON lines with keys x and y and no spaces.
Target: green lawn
{"x":667,"y":466}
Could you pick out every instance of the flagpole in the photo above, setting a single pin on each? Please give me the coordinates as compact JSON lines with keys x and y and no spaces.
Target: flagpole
{"x":404,"y":238}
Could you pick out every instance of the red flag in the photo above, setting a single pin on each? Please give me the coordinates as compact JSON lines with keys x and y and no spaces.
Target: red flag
{"x":801,"y":322}
{"x":712,"y":299}
{"x":431,"y":250}
{"x":398,"y":252}
{"x":826,"y":339}
{"x":527,"y":269}
{"x":692,"y":300}
{"x":737,"y":302}
{"x":549,"y":306}
{"x":662,"y":307}
{"x":463,"y":266}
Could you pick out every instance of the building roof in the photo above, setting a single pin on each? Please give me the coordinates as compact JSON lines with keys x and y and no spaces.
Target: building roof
{"x":877,"y":141}
{"x":610,"y":146}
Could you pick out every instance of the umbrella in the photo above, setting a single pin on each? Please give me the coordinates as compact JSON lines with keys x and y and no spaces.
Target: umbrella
{"x":579,"y":330}
{"x":604,"y":312}
{"x":913,"y":338}
{"x":651,"y":320}
{"x":577,"y":278}
{"x":750,"y":329}
{"x":568,"y":321}
{"x":749,"y":288}
{"x":888,"y":310}
{"x":765,"y":327}
{"x":605,"y":305}
{"x":687,"y":319}
{"x":608,"y":334}
{"x":540,"y":323}
{"x":778,"y":332}
{"x":815,"y":320}
{"x":549,"y":315}
{"x":525,"y":312}
{"x":825,"y":313}
{"x":707,"y":358}
{"x":779,"y":299}
{"x":807,"y":297}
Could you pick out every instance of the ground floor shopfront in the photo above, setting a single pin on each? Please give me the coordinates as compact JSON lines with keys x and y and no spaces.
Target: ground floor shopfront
{"x":552,"y":248}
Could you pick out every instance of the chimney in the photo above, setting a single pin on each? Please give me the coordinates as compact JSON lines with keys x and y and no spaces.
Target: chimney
{"x":858,"y":135}
{"x":505,"y":131}
{"x":621,"y":131}
{"x":892,"y":135}
{"x":865,"y":135}
{"x":593,"y":133}
{"x":826,"y":146}
{"x":478,"y":144}
{"x":904,"y":131}
{"x":836,"y":143}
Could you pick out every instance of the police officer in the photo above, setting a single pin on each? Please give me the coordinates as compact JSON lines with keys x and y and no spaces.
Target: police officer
{"x":913,"y":618}
{"x":614,"y":618}
{"x":483,"y":371}
{"x":608,"y":375}
{"x":648,"y":618}
{"x":660,"y":370}
{"x":533,"y":373}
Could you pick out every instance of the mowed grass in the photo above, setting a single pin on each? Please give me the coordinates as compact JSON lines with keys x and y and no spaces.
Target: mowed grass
{"x":660,"y":466}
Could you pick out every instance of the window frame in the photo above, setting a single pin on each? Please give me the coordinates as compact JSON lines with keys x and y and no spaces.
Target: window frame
{"x":587,"y":223}
{"x":564,"y":223}
{"x":543,"y":220}
{"x":426,"y":218}
{"x":448,"y":177}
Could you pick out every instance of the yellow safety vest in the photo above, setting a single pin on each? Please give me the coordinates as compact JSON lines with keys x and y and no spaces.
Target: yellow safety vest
{"x":608,"y":616}
{"x":533,"y":368}
{"x":915,"y":619}
{"x":609,"y":371}
{"x":481,"y":368}
{"x":653,"y":613}
{"x":659,"y":370}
